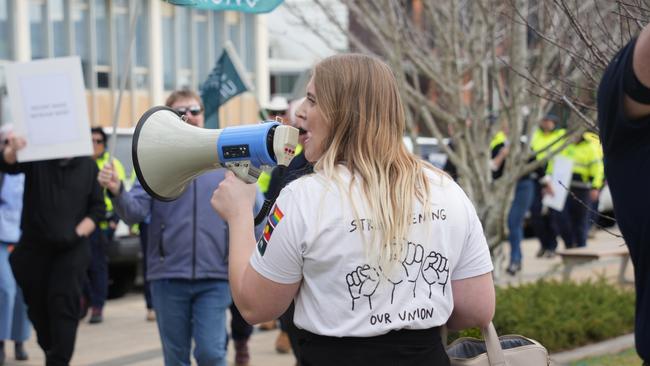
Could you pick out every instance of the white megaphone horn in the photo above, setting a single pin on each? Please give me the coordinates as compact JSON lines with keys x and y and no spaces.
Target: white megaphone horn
{"x":169,"y":153}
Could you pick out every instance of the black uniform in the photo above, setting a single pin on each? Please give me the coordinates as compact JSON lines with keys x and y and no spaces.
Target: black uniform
{"x":51,"y":260}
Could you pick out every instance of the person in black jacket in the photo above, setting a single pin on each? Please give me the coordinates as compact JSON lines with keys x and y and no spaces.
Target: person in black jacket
{"x":624,"y":126}
{"x":62,"y":204}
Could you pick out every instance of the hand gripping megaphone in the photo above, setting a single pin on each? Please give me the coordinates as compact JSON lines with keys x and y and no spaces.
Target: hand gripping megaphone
{"x":169,"y":153}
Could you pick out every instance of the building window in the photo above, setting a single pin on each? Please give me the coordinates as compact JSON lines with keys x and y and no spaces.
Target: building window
{"x":60,"y":42}
{"x":233,"y":22}
{"x":282,"y":84}
{"x":121,"y":26}
{"x":6,"y":44}
{"x":81,"y":19}
{"x":38,"y":29}
{"x":168,"y":46}
{"x":141,"y":47}
{"x":102,"y":44}
{"x":201,"y":32}
{"x":249,"y":52}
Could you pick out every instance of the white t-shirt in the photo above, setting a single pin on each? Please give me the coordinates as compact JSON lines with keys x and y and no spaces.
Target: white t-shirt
{"x":312,"y":235}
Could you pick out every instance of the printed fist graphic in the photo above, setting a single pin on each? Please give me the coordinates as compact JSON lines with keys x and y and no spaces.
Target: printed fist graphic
{"x":362,"y":281}
{"x":435,"y":269}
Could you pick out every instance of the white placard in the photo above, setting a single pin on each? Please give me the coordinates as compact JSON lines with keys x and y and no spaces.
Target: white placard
{"x":48,"y":106}
{"x":560,"y":182}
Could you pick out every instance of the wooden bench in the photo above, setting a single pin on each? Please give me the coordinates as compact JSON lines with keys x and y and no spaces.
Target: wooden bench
{"x":578,"y":256}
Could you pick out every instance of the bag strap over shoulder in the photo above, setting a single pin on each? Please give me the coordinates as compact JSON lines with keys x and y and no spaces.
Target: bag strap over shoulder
{"x":494,"y":351}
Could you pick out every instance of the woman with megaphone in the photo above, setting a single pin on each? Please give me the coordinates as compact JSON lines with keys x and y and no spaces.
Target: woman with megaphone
{"x":186,"y":255}
{"x":378,"y":248}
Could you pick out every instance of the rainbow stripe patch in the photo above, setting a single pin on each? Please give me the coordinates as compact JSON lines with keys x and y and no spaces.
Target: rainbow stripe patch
{"x":274,"y":219}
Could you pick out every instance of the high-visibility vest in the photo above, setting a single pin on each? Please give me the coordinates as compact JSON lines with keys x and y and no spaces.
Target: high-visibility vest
{"x":121,"y":174}
{"x":587,"y":164}
{"x":541,"y":140}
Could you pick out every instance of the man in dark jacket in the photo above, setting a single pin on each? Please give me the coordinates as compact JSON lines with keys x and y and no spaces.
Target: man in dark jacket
{"x":62,"y":204}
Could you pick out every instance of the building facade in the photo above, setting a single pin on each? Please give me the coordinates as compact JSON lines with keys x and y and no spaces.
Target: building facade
{"x":174,"y":47}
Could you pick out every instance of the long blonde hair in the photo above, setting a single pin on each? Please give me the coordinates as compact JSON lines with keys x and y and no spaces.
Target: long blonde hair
{"x":359,"y":99}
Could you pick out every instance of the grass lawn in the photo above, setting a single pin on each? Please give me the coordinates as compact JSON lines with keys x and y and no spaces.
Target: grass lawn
{"x":626,"y":358}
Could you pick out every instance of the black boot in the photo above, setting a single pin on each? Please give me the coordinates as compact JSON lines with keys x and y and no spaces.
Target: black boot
{"x":19,"y":352}
{"x":2,"y":353}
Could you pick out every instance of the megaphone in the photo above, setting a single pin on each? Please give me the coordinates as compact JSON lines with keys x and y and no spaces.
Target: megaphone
{"x":169,"y":153}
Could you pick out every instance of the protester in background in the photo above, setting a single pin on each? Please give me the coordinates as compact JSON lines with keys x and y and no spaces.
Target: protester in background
{"x":522,"y":199}
{"x":14,"y":323}
{"x":586,"y":181}
{"x":62,"y":204}
{"x":547,"y":139}
{"x":624,"y":121}
{"x":287,"y":339}
{"x":186,"y":256}
{"x":96,"y":286}
{"x":374,"y":230}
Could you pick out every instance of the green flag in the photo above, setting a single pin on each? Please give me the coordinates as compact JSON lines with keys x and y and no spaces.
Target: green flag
{"x":246,"y":6}
{"x":226,"y":80}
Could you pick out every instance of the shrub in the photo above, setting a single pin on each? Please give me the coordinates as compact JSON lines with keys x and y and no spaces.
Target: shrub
{"x":563,"y":315}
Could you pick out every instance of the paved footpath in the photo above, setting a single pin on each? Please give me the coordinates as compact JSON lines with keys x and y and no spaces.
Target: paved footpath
{"x":125,"y":338}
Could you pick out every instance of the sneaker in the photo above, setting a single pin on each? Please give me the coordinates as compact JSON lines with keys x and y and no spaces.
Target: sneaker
{"x":96,"y":316}
{"x":282,"y":344}
{"x":242,"y":357}
{"x":151,"y":315}
{"x":19,"y":352}
{"x":270,"y":325}
{"x":513,"y":268}
{"x":540,"y":253}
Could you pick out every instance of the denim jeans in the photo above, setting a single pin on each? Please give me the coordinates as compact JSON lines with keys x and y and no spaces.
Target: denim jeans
{"x":192,"y":309}
{"x":14,"y":323}
{"x":524,"y":193}
{"x":574,"y":219}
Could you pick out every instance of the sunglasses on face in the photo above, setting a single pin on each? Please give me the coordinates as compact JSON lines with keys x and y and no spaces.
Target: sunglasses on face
{"x":194,"y":110}
{"x":98,"y":141}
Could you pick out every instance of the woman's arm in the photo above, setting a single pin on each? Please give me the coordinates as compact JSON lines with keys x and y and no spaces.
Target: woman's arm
{"x":474,"y":302}
{"x":257,"y":298}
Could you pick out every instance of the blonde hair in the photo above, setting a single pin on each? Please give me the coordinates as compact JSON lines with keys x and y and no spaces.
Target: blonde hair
{"x":359,"y":100}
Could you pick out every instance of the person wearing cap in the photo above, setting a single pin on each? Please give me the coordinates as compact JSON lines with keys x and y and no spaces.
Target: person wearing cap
{"x":547,"y":139}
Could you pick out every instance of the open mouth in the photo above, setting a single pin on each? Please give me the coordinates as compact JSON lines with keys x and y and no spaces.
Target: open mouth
{"x":301,"y":131}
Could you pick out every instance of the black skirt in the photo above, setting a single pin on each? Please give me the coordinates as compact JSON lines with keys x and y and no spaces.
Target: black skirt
{"x":395,"y":348}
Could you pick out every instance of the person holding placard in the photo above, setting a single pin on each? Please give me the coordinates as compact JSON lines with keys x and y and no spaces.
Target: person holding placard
{"x":62,"y":205}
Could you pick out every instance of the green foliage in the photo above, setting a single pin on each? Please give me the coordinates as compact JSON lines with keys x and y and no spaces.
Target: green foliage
{"x":563,"y":315}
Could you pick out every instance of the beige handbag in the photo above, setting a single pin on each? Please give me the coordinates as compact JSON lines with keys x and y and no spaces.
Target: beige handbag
{"x":508,"y":350}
